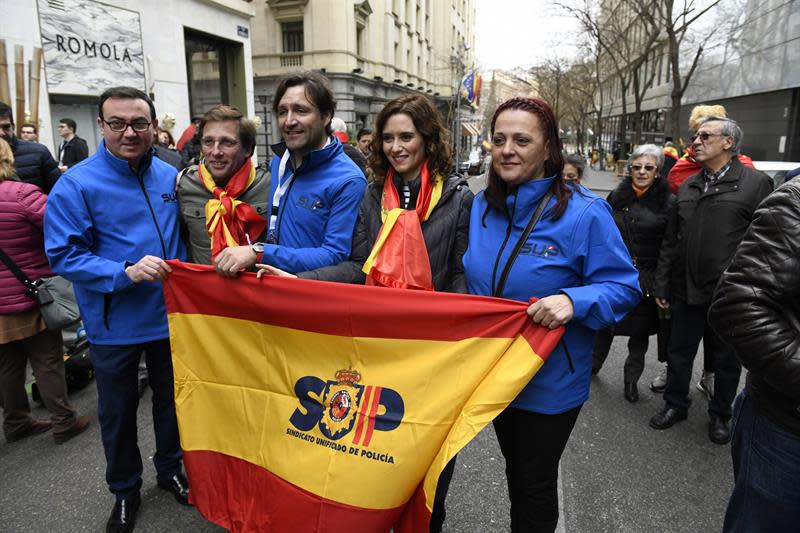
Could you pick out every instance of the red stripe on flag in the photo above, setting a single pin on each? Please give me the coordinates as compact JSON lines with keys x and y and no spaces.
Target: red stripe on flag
{"x":197,"y":289}
{"x":362,"y":413}
{"x":245,"y":498}
{"x":376,"y":401}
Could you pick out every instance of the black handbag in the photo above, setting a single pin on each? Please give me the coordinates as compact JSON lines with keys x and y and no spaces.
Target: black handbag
{"x":54,"y":295}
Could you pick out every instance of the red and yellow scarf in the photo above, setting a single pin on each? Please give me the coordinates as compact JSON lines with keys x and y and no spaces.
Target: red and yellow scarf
{"x":229,"y":221}
{"x":399,"y":257}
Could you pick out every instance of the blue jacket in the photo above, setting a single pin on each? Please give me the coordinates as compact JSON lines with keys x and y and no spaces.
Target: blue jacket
{"x":318,"y":213}
{"x":102,"y":217}
{"x":34,"y":164}
{"x":581,"y":255}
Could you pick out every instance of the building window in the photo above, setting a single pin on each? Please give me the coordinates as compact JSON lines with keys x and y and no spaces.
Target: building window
{"x":206,"y":64}
{"x":360,"y":41}
{"x":292,"y":36}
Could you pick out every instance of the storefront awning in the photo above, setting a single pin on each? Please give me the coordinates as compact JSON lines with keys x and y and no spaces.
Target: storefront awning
{"x":470,"y":129}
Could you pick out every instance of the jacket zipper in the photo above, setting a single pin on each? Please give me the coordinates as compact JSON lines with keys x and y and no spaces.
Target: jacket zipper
{"x":153,"y":214}
{"x":503,"y":246}
{"x":282,"y":209}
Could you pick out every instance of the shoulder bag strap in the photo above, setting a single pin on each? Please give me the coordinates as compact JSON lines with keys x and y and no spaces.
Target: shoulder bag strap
{"x":501,"y":285}
{"x":18,"y":273}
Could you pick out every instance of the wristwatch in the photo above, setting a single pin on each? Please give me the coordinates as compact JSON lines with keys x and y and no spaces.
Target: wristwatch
{"x":258,"y":247}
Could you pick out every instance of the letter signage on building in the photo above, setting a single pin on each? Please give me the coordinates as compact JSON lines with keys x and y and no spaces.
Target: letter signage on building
{"x":89,"y":46}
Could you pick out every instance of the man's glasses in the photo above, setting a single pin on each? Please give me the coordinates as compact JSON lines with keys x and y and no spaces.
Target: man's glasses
{"x":120,"y":125}
{"x":225,"y":143}
{"x":704,"y":136}
{"x":648,"y":168}
{"x":7,"y":127}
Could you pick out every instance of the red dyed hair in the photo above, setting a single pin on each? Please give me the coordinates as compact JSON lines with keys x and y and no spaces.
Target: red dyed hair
{"x":497,"y":189}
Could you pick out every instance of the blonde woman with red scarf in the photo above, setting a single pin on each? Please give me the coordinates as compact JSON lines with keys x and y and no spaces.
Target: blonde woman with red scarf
{"x":223,"y":200}
{"x":413,"y":223}
{"x":641,"y":206}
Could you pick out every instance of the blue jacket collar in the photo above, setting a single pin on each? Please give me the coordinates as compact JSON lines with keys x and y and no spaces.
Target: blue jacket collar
{"x":528,"y":195}
{"x":315,"y":158}
{"x":122,"y":165}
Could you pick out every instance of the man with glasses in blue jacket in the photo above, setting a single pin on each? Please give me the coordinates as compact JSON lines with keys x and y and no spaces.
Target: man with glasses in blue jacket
{"x":111,"y":222}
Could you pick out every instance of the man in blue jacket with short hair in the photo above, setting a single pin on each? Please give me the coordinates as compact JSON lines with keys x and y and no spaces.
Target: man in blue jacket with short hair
{"x":111,"y":222}
{"x":316,"y":188}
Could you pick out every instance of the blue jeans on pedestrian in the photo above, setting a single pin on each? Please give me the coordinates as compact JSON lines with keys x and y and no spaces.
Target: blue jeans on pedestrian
{"x":766,"y":472}
{"x":116,"y":373}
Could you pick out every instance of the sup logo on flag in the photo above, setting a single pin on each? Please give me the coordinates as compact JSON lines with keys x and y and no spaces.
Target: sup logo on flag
{"x":341,"y":406}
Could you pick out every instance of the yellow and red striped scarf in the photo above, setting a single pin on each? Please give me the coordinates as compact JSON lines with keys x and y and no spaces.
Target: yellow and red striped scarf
{"x":399,"y":257}
{"x":229,"y":220}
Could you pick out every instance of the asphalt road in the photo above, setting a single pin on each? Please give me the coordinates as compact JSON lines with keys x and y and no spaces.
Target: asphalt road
{"x":617,"y":474}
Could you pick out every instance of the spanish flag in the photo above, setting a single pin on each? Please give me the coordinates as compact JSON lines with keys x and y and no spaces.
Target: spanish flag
{"x":313,"y":406}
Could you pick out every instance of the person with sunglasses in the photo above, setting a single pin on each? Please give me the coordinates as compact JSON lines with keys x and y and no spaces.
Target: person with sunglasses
{"x":687,"y":166}
{"x":223,"y":200}
{"x":714,"y":209}
{"x":110,"y":224}
{"x":641,"y":205}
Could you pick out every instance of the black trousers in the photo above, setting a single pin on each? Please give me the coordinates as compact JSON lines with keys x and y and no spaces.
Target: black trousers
{"x":438,"y":514}
{"x":532,"y":444}
{"x":634,"y":363}
{"x":116,"y":373}
{"x":689,"y":327}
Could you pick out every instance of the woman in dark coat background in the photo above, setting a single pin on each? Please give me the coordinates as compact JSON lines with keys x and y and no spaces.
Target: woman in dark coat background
{"x":641,"y":205}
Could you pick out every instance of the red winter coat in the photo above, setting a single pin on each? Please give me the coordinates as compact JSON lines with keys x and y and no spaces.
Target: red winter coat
{"x":687,"y":167}
{"x":22,"y":239}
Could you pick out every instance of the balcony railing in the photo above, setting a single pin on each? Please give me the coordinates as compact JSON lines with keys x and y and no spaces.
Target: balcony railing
{"x":292,"y":59}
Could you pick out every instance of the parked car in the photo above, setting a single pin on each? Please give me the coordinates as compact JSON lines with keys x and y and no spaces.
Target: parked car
{"x":472,"y":165}
{"x":776,"y":170}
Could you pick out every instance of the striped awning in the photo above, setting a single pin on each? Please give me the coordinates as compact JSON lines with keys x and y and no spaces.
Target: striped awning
{"x":471,"y":129}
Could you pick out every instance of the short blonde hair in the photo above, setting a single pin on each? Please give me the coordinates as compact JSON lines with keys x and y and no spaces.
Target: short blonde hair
{"x":701,"y":111}
{"x":6,"y":160}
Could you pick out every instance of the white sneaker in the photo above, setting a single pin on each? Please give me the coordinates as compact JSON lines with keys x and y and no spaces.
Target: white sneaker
{"x":706,"y":385}
{"x":659,"y":383}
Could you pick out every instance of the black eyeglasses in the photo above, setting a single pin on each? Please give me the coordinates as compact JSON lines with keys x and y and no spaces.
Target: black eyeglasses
{"x":119,"y":126}
{"x":704,"y":136}
{"x":7,"y":127}
{"x":648,"y":168}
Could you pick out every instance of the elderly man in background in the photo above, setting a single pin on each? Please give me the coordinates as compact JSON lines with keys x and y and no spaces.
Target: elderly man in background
{"x":714,"y":209}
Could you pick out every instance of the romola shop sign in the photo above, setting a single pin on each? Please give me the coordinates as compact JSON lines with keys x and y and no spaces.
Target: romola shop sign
{"x":90,"y":46}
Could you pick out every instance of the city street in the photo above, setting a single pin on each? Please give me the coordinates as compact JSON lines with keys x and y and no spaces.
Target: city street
{"x":617,"y":474}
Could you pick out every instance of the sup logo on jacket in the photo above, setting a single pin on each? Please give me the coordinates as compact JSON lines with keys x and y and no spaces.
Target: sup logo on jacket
{"x":346,"y":406}
{"x":539,"y":250}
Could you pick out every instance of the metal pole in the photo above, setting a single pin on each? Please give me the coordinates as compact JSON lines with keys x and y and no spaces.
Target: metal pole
{"x":458,"y":119}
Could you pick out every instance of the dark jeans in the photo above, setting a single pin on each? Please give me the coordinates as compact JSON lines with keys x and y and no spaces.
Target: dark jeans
{"x":766,"y":473}
{"x":46,"y":355}
{"x":634,"y":363}
{"x":689,"y":327}
{"x":116,"y":372}
{"x":532,"y":445}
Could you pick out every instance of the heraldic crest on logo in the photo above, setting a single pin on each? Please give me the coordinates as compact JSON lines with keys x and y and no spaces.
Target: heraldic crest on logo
{"x":341,"y":400}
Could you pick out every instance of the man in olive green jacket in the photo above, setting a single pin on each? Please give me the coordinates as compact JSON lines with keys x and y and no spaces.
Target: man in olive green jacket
{"x":223,"y":200}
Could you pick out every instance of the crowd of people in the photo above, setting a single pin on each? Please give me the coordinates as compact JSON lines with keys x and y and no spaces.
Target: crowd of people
{"x":645,"y":262}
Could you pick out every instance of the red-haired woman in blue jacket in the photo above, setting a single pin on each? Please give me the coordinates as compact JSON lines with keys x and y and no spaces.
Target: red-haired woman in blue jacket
{"x":575,"y":262}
